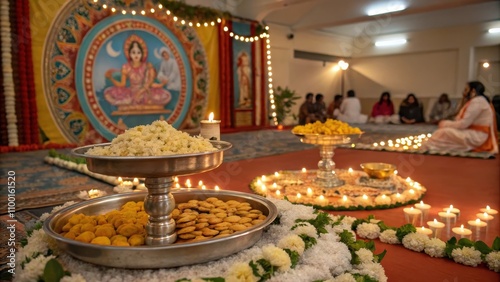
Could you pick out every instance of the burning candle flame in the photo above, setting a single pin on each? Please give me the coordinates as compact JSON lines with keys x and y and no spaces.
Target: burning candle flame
{"x":211,"y":117}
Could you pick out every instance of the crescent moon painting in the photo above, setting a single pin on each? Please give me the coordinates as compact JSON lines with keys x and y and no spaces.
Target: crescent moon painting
{"x":111,"y":52}
{"x":157,"y":54}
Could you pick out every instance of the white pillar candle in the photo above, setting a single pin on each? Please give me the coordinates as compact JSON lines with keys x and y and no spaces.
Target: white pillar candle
{"x":412,"y":215}
{"x":423,"y":230}
{"x":489,"y":210}
{"x":462,"y":232}
{"x":135,"y":181}
{"x":478,"y":227}
{"x":309,"y":192}
{"x":453,"y":210}
{"x":449,"y":219}
{"x":484,"y":216}
{"x":436,"y":228}
{"x":275,"y":187}
{"x":210,"y":129}
{"x":321,"y":200}
{"x":424,"y":208}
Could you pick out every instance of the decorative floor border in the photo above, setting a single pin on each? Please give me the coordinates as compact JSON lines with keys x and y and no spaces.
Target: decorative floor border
{"x":298,"y":187}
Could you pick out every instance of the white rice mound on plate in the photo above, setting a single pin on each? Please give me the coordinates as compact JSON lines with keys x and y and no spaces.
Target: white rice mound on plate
{"x":156,"y":139}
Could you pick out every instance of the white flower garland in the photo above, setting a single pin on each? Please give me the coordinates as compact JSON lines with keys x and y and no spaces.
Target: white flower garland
{"x":8,"y":79}
{"x":368,"y":230}
{"x":415,"y":241}
{"x":327,"y":259}
{"x":433,"y":247}
{"x":493,"y":261}
{"x":81,"y":168}
{"x":467,"y":255}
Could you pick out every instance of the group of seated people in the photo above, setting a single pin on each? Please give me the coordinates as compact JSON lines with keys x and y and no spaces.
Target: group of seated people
{"x":348,"y":110}
{"x":469,"y":127}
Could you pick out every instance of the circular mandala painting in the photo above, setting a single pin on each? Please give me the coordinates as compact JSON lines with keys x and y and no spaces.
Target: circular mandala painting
{"x":129,"y":71}
{"x":106,"y":73}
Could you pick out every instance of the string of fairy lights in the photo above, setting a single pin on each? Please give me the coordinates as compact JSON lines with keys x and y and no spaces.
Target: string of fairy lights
{"x":244,"y":38}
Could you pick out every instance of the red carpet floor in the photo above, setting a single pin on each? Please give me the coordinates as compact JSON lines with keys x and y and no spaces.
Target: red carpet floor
{"x":469,"y":184}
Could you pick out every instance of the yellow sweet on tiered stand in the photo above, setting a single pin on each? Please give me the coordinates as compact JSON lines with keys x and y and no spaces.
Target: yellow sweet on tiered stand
{"x":326,"y":136}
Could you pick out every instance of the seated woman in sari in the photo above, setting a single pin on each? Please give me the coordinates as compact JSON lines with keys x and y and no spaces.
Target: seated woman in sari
{"x":473,"y":129}
{"x":140,"y":75}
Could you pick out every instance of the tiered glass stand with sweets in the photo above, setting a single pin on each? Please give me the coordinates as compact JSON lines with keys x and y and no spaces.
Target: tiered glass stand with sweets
{"x":160,"y":250}
{"x":326,"y":176}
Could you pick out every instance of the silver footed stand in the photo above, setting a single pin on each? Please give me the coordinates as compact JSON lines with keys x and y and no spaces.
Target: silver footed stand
{"x":326,"y":176}
{"x":159,"y":204}
{"x":158,"y":172}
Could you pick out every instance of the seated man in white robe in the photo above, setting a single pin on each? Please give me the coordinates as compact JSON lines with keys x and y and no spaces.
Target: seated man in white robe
{"x":350,"y":109}
{"x":473,"y":129}
{"x":168,"y":73}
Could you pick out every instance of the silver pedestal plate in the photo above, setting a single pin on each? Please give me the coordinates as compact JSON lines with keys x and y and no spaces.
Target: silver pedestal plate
{"x":326,"y":176}
{"x":159,"y":172}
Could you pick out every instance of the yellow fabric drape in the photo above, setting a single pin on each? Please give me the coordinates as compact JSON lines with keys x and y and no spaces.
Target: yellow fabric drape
{"x":42,"y":13}
{"x":210,"y":40}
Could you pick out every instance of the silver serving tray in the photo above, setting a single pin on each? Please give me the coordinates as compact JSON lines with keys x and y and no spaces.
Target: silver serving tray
{"x":154,"y":166}
{"x":142,"y":257}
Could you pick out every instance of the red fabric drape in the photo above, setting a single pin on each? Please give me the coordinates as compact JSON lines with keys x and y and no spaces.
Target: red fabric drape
{"x":30,"y":78}
{"x":19,"y":99}
{"x":22,"y":67}
{"x":4,"y":138}
{"x":226,"y":76}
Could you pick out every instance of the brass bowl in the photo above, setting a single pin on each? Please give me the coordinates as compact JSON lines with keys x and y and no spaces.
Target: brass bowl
{"x":378,"y":170}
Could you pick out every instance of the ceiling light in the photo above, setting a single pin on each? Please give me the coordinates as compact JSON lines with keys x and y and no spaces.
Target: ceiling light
{"x":392,"y":42}
{"x":494,"y":30}
{"x":391,"y":8}
{"x":486,"y":65}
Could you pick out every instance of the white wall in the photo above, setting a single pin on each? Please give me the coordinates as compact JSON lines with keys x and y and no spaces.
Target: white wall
{"x":432,"y":62}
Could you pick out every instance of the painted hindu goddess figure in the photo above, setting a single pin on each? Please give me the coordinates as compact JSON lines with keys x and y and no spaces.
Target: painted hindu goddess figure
{"x":243,"y":70}
{"x":140,"y":75}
